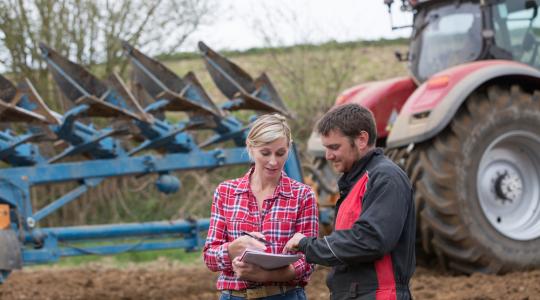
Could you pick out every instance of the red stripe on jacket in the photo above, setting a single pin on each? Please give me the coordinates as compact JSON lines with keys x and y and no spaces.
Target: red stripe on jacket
{"x":349,"y":212}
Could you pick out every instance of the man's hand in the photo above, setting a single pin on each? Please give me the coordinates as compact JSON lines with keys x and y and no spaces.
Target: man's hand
{"x":244,"y":242}
{"x":292,"y":244}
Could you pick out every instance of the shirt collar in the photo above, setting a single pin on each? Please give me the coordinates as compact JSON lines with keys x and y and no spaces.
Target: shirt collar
{"x":283,"y":188}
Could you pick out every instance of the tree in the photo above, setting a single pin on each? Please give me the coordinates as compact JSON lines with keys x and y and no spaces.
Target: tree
{"x":309,"y":77}
{"x":89,"y":31}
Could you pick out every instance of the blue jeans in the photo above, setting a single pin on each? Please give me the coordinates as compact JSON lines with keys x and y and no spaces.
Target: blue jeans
{"x":294,"y":294}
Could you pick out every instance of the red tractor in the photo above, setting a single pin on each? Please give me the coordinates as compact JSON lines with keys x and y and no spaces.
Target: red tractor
{"x":465,"y":125}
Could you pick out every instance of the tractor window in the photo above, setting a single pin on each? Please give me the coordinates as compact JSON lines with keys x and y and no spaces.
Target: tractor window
{"x":447,"y":36}
{"x":517,"y":30}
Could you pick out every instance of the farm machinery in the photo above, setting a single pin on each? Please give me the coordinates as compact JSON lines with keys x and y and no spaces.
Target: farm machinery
{"x":465,"y":126}
{"x":92,"y":155}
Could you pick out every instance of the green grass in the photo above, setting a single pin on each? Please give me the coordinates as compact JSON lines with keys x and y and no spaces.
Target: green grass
{"x":264,"y":50}
{"x":124,"y":259}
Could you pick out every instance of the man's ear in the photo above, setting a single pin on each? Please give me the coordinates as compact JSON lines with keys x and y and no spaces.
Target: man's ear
{"x":362,"y":140}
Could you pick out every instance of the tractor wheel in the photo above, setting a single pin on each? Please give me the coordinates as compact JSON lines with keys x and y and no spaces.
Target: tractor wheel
{"x":477,"y":184}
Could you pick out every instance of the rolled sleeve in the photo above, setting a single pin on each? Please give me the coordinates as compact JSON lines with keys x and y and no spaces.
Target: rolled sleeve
{"x":302,"y":270}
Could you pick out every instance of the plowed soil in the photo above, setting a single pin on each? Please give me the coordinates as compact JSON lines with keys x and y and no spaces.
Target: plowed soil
{"x":170,"y":280}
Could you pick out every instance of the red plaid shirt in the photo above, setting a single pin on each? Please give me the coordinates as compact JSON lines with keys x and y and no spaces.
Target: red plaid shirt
{"x":292,"y":208}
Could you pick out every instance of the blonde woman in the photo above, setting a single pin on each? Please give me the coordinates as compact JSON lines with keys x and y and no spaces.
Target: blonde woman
{"x":269,"y":206}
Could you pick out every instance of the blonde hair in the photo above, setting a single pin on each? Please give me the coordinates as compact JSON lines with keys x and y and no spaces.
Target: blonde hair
{"x":268,"y":128}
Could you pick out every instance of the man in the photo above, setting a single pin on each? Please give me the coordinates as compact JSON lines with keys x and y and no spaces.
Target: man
{"x":372,"y":247}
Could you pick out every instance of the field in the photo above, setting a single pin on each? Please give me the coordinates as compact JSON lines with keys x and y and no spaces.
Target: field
{"x":165,"y":279}
{"x":308,"y":79}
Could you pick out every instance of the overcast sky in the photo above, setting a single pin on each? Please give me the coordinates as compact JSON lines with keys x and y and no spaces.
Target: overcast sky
{"x":239,"y":24}
{"x":244,"y":24}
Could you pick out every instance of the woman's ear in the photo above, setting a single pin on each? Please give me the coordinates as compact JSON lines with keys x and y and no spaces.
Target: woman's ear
{"x":249,"y":153}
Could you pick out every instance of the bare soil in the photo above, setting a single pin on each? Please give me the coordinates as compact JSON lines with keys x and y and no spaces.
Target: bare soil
{"x":170,"y":280}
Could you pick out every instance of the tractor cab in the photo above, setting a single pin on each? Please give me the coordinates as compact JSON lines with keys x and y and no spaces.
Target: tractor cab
{"x":450,"y":33}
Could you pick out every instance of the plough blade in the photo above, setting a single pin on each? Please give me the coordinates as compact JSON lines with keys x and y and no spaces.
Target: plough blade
{"x":18,"y":150}
{"x":116,"y":82}
{"x":239,"y":87}
{"x":229,"y":78}
{"x":81,"y":87}
{"x":196,"y":91}
{"x":72,"y":79}
{"x":10,"y":106}
{"x":13,"y":113}
{"x":161,"y":83}
{"x":33,"y":102}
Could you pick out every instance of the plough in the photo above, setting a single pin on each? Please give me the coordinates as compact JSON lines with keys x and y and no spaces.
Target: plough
{"x":93,"y":154}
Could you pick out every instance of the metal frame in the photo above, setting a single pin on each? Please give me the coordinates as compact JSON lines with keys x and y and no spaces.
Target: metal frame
{"x":108,"y":158}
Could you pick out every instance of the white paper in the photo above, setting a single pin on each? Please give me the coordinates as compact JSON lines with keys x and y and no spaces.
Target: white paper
{"x":268,"y":261}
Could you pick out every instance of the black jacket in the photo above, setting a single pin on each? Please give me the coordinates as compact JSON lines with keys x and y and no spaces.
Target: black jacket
{"x":372,"y":249}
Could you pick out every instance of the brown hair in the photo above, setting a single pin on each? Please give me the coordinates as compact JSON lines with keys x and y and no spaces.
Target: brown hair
{"x":350,"y":119}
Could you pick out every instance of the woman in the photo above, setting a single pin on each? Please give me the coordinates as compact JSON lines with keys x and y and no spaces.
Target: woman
{"x":263,"y":205}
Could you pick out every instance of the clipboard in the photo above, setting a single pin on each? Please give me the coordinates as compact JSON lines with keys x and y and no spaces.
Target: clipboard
{"x":268,"y":261}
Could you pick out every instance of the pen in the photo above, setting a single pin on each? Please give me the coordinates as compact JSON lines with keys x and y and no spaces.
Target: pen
{"x":257,"y":238}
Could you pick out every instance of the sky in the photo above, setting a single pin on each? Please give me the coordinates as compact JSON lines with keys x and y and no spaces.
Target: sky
{"x":243,"y":24}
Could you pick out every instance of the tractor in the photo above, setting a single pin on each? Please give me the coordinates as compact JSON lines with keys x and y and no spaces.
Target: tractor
{"x":465,"y":126}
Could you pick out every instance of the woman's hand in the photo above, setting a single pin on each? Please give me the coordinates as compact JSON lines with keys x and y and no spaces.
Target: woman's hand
{"x":247,"y":271}
{"x":252,"y":272}
{"x":238,"y":246}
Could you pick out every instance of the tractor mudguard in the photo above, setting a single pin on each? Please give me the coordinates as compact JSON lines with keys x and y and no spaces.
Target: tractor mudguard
{"x":433,"y":105}
{"x":384,"y":98}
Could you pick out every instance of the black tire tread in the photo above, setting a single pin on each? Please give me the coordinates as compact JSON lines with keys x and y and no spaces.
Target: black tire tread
{"x":431,"y":168}
{"x":442,"y":205}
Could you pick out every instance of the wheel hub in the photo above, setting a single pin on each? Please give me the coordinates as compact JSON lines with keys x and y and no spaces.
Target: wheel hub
{"x":507,"y":184}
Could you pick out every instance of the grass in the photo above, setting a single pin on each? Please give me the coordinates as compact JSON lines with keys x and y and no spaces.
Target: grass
{"x":287,"y":49}
{"x":120,"y":260}
{"x":173,"y":256}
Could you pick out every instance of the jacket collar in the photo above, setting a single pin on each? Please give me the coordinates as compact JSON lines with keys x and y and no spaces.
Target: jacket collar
{"x":347,"y":180}
{"x":283,"y":188}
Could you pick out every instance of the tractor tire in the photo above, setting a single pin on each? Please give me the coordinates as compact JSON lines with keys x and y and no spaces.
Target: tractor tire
{"x":477,"y":184}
